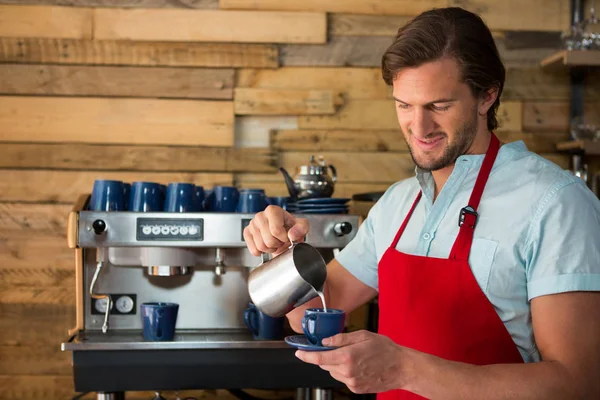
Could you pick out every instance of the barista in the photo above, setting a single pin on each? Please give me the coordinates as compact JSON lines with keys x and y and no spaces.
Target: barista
{"x":486,"y":263}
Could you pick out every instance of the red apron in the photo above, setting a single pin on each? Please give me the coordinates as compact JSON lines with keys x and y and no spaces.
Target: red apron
{"x":435,"y":305}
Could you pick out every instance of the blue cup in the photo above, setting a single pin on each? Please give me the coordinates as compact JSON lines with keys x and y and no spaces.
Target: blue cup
{"x":199,"y":202}
{"x":180,"y":197}
{"x":262,"y":326}
{"x":158,"y":320}
{"x":223,"y":199}
{"x":107,"y":195}
{"x":146,"y":197}
{"x":318,"y":324}
{"x":252,"y":201}
{"x":281,"y":201}
{"x":126,"y":194}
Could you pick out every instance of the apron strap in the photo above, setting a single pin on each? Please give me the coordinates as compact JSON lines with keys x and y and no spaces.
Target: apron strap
{"x":406,"y":219}
{"x":468,"y":215}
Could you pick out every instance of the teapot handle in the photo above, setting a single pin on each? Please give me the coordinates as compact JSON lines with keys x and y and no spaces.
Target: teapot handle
{"x":334,"y":172}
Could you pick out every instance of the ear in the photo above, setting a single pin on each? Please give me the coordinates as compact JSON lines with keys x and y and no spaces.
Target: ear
{"x":487,"y":99}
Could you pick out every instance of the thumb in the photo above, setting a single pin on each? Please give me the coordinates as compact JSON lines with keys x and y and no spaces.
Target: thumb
{"x":345,"y":339}
{"x":298,"y":227}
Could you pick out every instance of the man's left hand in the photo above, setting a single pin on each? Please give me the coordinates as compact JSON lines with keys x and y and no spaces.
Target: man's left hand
{"x":366,"y":362}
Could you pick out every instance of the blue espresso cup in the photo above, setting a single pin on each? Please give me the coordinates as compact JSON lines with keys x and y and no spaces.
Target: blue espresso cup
{"x":262,"y":326}
{"x":158,"y":320}
{"x":281,"y":201}
{"x":199,"y":200}
{"x":126,"y":195}
{"x":180,"y":197}
{"x":146,"y":197}
{"x":252,"y":201}
{"x":318,"y":324}
{"x":223,"y":199}
{"x":107,"y":195}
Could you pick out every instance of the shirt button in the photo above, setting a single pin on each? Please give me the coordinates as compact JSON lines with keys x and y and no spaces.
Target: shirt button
{"x":426,"y":236}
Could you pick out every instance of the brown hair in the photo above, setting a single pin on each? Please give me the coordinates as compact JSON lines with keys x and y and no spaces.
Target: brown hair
{"x":455,"y":33}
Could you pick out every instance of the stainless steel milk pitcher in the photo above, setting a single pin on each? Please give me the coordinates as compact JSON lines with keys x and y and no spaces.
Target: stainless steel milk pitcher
{"x":288,"y":280}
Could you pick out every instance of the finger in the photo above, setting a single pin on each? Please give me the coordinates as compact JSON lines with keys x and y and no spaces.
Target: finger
{"x":321,"y":358}
{"x":346,"y":339}
{"x":250,"y":242}
{"x":261,"y":223}
{"x":277,"y":223}
{"x":257,"y":237}
{"x":298,"y":227}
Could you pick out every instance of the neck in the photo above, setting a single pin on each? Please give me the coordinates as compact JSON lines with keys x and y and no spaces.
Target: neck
{"x":480,"y":144}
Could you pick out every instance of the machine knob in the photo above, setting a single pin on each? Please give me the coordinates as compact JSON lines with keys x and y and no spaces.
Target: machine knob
{"x":99,"y":226}
{"x":342,"y":228}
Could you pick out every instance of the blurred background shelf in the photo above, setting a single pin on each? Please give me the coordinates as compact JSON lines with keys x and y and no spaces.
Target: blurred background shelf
{"x":572,"y":58}
{"x":587,"y":146}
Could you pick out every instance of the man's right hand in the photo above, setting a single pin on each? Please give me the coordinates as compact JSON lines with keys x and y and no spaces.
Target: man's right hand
{"x":270,"y":231}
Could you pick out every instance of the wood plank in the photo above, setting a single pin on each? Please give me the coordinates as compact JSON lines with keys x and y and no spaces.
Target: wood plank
{"x":365,"y":25}
{"x":536,"y":84}
{"x":123,"y":3}
{"x":357,"y":51}
{"x":210,"y":26}
{"x":123,"y":52}
{"x":532,"y":40}
{"x":18,"y":319}
{"x":532,"y":15}
{"x":379,"y":7}
{"x":254,"y":131}
{"x":274,"y":185}
{"x":37,"y":254}
{"x":249,"y":101}
{"x":36,"y":277}
{"x":338,"y":140}
{"x":45,"y":21}
{"x":10,"y":294}
{"x":353,"y":167}
{"x":116,"y":120}
{"x":540,"y":143}
{"x":381,"y":115}
{"x":355,"y":83}
{"x":521,"y":58}
{"x":590,"y":147}
{"x":74,"y":156}
{"x":48,"y":219}
{"x":562,"y":160}
{"x":65,"y":187}
{"x":35,"y":359}
{"x":63,"y":80}
{"x":572,"y":58}
{"x":551,"y":116}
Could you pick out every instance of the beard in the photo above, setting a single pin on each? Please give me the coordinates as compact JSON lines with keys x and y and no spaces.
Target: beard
{"x":462,"y":141}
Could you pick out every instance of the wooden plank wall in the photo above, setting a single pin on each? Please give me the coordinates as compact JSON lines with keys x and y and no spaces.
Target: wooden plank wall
{"x":211,"y":92}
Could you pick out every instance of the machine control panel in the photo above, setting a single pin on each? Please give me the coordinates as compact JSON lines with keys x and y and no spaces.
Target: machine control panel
{"x":169,"y":229}
{"x":123,"y":304}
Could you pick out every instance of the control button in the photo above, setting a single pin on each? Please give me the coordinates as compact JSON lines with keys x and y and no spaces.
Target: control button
{"x":183,"y":230}
{"x":174,"y":230}
{"x":342,"y":228}
{"x":156,"y":230}
{"x":426,"y":236}
{"x":98,"y":226}
{"x":193,"y":230}
{"x":101,"y":304}
{"x":124,"y":304}
{"x":165,"y":229}
{"x":146,"y":229}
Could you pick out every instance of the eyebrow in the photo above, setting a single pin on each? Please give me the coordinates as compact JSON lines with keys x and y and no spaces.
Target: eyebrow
{"x":430,"y":103}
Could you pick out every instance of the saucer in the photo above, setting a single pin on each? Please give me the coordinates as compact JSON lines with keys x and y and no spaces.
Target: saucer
{"x":301,"y":343}
{"x":325,"y":200}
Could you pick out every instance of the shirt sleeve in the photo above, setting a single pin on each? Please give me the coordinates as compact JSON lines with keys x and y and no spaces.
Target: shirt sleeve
{"x":359,"y":257}
{"x":564,"y":243}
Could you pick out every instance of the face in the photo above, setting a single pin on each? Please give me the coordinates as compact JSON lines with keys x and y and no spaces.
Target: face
{"x":438,"y":113}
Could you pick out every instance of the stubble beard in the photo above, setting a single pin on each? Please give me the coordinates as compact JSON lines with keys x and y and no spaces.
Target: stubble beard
{"x":459,"y":146}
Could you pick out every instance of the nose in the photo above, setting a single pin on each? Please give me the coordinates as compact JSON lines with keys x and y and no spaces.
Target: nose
{"x":422,"y":123}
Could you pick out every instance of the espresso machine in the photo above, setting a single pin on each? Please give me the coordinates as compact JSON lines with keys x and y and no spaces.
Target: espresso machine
{"x":198,"y":260}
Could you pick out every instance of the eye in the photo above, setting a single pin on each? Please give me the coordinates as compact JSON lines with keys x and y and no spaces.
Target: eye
{"x":444,"y":108}
{"x":403,"y":106}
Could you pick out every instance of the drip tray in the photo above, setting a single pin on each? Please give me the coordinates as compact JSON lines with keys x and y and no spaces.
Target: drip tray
{"x":188,"y":339}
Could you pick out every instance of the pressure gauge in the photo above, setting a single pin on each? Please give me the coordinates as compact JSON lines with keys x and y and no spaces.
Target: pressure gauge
{"x":124,"y":304}
{"x":101,"y":304}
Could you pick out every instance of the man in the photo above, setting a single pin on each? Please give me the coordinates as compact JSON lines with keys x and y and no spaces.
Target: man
{"x":486,"y":264}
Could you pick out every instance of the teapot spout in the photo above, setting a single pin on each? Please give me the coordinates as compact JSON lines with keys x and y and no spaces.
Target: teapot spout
{"x":289,"y":182}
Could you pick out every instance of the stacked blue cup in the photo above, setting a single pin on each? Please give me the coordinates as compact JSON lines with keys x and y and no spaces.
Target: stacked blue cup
{"x":146,"y":197}
{"x":252,"y":201}
{"x":180,"y":197}
{"x":222,"y":199}
{"x":107,"y":195}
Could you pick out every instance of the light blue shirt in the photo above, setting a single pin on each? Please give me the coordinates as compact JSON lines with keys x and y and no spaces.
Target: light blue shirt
{"x":538,"y":232}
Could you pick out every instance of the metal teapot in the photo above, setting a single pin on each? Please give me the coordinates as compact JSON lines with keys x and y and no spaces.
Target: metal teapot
{"x":311,"y":181}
